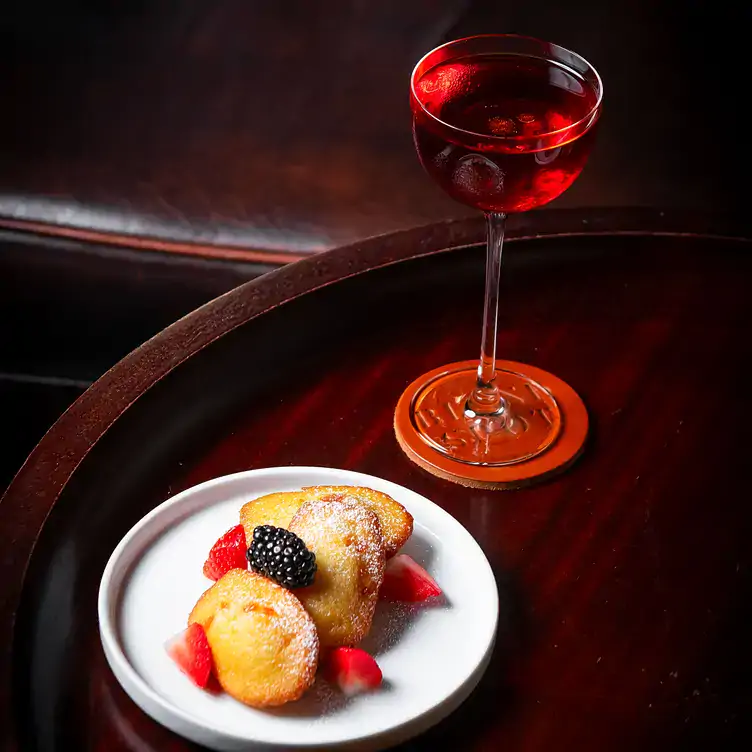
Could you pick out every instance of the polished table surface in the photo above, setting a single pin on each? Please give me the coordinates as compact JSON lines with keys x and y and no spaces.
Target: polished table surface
{"x":625,"y":584}
{"x":284,"y":127}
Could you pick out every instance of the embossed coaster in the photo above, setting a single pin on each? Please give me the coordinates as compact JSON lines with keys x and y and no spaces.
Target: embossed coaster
{"x":557,"y":406}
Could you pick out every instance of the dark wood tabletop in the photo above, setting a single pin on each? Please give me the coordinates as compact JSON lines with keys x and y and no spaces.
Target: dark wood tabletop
{"x":625,"y":584}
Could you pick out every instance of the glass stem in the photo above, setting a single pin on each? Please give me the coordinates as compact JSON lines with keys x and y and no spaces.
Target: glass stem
{"x":486,"y":398}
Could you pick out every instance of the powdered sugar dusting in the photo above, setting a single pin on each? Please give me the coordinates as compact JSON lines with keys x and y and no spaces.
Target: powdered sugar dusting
{"x":391,"y":623}
{"x":345,"y":532}
{"x":252,"y":592}
{"x":344,"y":516}
{"x":296,"y":621}
{"x":396,"y":522}
{"x":346,"y":537}
{"x":320,"y":702}
{"x":289,"y":613}
{"x":370,"y":546}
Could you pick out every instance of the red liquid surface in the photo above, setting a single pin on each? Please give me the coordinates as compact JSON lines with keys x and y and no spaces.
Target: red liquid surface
{"x":506,"y":155}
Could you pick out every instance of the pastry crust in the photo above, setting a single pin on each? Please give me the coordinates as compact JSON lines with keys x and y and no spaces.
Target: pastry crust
{"x":345,"y":535}
{"x":278,"y":509}
{"x":275,"y":509}
{"x":264,"y":645}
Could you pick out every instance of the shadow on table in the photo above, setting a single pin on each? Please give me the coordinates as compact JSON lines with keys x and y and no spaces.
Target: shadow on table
{"x":493,"y":699}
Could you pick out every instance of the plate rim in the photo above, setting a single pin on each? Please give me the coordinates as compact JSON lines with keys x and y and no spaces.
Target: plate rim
{"x":126,"y":674}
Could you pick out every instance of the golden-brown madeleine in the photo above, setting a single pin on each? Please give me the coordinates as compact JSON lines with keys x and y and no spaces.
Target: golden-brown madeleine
{"x":278,"y":509}
{"x":345,"y":535}
{"x":396,"y":522}
{"x":264,"y":644}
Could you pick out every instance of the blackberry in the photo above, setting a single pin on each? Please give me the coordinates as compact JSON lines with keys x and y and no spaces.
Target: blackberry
{"x":282,"y":556}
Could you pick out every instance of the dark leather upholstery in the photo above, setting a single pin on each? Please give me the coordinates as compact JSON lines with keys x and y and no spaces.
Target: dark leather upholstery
{"x":284,"y":126}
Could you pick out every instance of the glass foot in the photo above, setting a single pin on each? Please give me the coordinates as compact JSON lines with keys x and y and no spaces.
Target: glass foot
{"x":541,"y":429}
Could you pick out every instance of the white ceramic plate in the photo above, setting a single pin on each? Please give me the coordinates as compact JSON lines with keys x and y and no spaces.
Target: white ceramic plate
{"x":431,"y":657}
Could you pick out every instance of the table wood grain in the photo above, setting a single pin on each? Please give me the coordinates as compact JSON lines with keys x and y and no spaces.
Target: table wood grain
{"x":624,"y":584}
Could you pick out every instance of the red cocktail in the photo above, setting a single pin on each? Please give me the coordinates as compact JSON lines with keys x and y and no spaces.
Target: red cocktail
{"x":505,"y":124}
{"x":523,"y":111}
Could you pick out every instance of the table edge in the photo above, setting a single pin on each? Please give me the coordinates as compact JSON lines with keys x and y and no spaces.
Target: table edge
{"x":40,"y":481}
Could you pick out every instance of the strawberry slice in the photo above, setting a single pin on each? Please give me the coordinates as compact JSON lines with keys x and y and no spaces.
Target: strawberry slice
{"x":352,"y":670}
{"x":406,"y":580}
{"x":227,"y":553}
{"x":190,"y":650}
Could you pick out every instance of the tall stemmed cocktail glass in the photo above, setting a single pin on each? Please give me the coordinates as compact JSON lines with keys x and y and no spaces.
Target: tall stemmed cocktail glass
{"x":502,"y":123}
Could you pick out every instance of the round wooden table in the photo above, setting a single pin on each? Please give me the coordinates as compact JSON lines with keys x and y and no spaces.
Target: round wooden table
{"x":625,"y":584}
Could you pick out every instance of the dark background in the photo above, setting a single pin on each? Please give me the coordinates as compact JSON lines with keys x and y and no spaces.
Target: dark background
{"x":270,"y":127}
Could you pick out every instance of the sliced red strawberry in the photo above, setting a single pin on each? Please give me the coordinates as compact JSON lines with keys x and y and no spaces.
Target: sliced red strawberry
{"x":406,"y":580}
{"x":352,"y":670}
{"x":190,"y":650}
{"x":227,"y":553}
